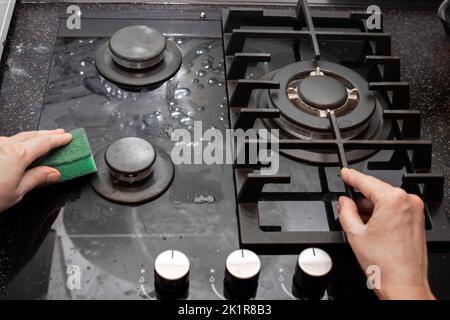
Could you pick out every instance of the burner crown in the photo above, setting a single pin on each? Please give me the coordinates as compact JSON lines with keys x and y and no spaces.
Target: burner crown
{"x":322,"y":92}
{"x":137,"y":47}
{"x":130,"y":159}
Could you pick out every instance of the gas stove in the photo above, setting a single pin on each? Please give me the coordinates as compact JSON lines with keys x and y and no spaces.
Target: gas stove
{"x":326,"y":86}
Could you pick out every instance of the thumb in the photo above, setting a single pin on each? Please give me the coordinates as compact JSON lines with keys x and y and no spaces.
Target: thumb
{"x":349,"y":217}
{"x":36,"y":177}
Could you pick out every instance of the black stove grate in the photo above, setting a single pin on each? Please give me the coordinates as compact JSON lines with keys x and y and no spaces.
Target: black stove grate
{"x":409,"y":150}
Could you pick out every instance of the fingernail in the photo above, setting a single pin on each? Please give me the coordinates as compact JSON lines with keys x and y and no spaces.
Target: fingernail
{"x":53,"y":176}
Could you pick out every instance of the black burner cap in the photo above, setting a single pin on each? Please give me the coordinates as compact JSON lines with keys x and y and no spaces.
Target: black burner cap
{"x":137,"y":47}
{"x":130,"y":159}
{"x":322,"y":92}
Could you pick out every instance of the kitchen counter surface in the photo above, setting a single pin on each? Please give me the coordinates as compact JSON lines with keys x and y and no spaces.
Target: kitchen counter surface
{"x":417,"y":37}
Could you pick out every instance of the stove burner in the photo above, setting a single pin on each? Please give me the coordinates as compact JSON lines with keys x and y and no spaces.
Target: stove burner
{"x":308,"y":90}
{"x":138,"y":56}
{"x":132,"y":171}
{"x":318,"y":93}
{"x":322,"y":92}
{"x":126,"y":168}
{"x":137,"y":47}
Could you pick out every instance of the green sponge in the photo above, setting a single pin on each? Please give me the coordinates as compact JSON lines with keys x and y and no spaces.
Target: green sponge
{"x":73,"y":160}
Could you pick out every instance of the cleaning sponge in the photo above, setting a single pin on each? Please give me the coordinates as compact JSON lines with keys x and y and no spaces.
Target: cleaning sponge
{"x":73,"y":160}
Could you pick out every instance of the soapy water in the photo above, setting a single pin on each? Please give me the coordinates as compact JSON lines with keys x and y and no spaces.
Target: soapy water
{"x":196,"y":92}
{"x":202,"y":70}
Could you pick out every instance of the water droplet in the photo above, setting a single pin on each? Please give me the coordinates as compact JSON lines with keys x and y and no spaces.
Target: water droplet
{"x":195,"y":80}
{"x":202,"y":51}
{"x":200,"y":86}
{"x":172,"y":103}
{"x":176,"y":114}
{"x":212,"y":81}
{"x":187,"y":121}
{"x":202,"y":73}
{"x":181,"y":93}
{"x":83,"y":63}
{"x":204,"y":199}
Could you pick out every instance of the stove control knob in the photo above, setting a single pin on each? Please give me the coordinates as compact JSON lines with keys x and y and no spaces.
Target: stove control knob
{"x":312,"y":272}
{"x":172,"y":274}
{"x":241,"y":274}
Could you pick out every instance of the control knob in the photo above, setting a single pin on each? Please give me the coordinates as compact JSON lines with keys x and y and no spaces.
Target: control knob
{"x":312,"y":273}
{"x":172,"y":274}
{"x":241,"y":274}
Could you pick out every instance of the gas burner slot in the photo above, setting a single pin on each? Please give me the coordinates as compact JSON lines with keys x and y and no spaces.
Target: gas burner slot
{"x":388,"y":66}
{"x":132,"y":171}
{"x":243,"y":90}
{"x":240,"y":62}
{"x":400,"y":92}
{"x":248,"y":116}
{"x":387,"y":125}
{"x":138,"y":56}
{"x":433,"y":186}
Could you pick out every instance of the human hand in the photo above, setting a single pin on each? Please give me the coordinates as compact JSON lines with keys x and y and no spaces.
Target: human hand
{"x":17,"y":153}
{"x":387,"y":229}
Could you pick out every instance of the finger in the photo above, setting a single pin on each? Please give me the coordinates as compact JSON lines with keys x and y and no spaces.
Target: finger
{"x":418,"y":202}
{"x":349,"y":217}
{"x":40,"y":145}
{"x":36,"y":177}
{"x":23,"y":136}
{"x":371,"y":187}
{"x":365,"y":206}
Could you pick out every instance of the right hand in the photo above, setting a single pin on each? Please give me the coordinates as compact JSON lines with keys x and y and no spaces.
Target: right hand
{"x":387,"y":230}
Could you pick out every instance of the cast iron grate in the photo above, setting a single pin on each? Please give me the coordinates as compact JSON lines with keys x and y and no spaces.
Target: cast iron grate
{"x":409,"y":150}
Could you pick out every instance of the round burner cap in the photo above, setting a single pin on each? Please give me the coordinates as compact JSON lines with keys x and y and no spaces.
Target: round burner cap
{"x":137,"y":47}
{"x":322,"y":92}
{"x":130,"y":158}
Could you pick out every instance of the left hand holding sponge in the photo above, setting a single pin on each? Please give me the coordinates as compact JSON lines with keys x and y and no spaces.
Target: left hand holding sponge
{"x":19,"y":171}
